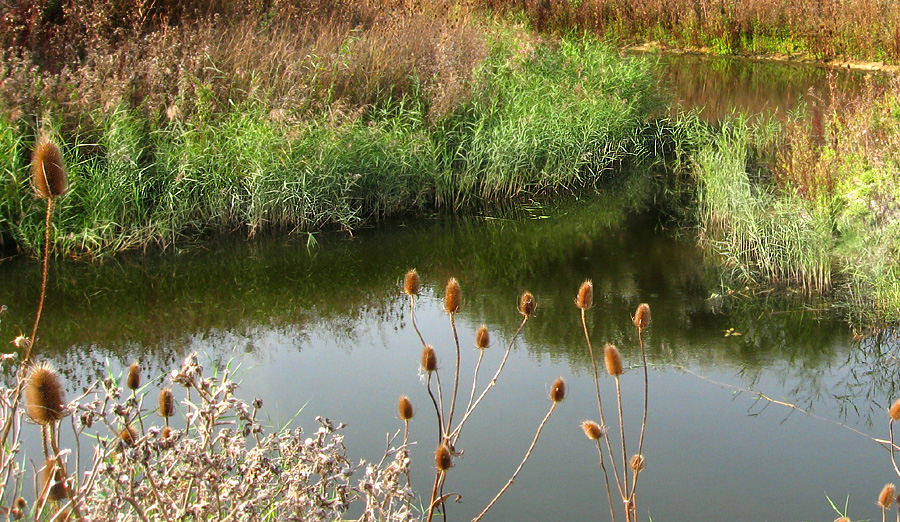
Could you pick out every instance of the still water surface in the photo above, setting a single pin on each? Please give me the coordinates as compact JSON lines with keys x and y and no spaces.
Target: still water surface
{"x":326,"y":330}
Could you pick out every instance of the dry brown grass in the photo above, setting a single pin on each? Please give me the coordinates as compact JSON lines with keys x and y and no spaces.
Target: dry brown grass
{"x":174,"y":60}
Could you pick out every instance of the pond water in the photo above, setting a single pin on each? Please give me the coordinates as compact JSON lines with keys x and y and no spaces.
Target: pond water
{"x":323,"y":329}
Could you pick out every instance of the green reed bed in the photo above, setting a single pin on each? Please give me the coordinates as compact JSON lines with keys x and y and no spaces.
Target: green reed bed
{"x":810,"y":203}
{"x":541,"y":117}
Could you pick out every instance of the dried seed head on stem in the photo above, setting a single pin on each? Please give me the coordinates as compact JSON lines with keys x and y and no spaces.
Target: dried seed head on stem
{"x":642,"y":316}
{"x":894,"y":412}
{"x":405,"y":408}
{"x":886,"y":497}
{"x":429,"y":359}
{"x":134,"y":377}
{"x":585,"y":298}
{"x":482,"y":337}
{"x":558,"y":391}
{"x":452,"y":296}
{"x":592,"y":430}
{"x":443,"y":459}
{"x":44,"y":396}
{"x":411,"y":283}
{"x":48,"y":171}
{"x":526,"y":304}
{"x":166,"y":403}
{"x":613,"y":360}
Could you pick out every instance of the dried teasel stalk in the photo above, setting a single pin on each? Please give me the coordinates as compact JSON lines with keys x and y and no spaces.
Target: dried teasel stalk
{"x":452,"y":296}
{"x":411,"y":283}
{"x":585,"y":297}
{"x":405,"y":408}
{"x":48,"y":171}
{"x":44,"y":396}
{"x":134,"y":377}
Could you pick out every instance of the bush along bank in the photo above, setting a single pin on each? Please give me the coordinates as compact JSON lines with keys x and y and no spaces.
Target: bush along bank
{"x":526,"y":116}
{"x":811,"y":205}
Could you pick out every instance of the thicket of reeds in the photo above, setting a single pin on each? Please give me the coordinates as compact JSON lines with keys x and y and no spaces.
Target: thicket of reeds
{"x":809,"y":203}
{"x":183,"y":121}
{"x":860,"y":29}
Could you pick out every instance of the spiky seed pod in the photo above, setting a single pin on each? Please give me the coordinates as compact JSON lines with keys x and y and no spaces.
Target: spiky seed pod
{"x":21,"y":503}
{"x":166,"y":433}
{"x":637,"y":463}
{"x":442,"y":458}
{"x":558,"y":391}
{"x":526,"y":304}
{"x":44,"y":395}
{"x":53,"y":475}
{"x":134,"y":377}
{"x":642,"y":316}
{"x":429,"y":359}
{"x":411,"y":283}
{"x":48,"y":172}
{"x":592,"y":430}
{"x":482,"y":337}
{"x":886,"y":497}
{"x":166,"y":403}
{"x":452,"y":296}
{"x":405,"y":407}
{"x":128,"y":435}
{"x":613,"y":360}
{"x":895,"y":411}
{"x":585,"y":298}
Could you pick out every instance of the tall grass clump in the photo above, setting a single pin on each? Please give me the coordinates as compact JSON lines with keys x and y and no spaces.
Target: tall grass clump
{"x":761,"y":235}
{"x":545,"y":116}
{"x":300,"y":117}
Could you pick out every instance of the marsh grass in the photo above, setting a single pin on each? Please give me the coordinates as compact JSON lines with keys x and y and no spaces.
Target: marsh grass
{"x":538,"y":118}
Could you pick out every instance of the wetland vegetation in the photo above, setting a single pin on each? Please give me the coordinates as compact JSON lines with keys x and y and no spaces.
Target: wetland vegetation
{"x":180,"y":123}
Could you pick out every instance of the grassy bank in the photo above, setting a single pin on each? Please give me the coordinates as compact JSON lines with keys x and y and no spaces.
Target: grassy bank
{"x":855,"y":29}
{"x":808,"y":205}
{"x":316,"y":118}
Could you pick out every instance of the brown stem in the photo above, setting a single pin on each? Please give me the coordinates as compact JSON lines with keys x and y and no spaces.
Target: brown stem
{"x":454,"y":435}
{"x":456,"y":374}
{"x":612,"y":512}
{"x":521,"y":464}
{"x":434,"y":490}
{"x":437,"y":409}
{"x":37,"y":317}
{"x":624,"y":451}
{"x":612,"y":460}
{"x":644,"y":420}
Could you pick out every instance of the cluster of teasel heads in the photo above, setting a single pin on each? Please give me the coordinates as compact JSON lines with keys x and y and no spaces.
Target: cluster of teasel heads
{"x":598,"y":432}
{"x":448,"y":432}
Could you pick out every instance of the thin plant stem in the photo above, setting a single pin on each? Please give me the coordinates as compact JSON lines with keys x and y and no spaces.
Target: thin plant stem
{"x":412,"y":318}
{"x":587,"y":338}
{"x":456,"y":374}
{"x":474,"y":383}
{"x":624,"y":451}
{"x":455,"y":433}
{"x":37,"y":316}
{"x":893,"y":459}
{"x":437,"y":409}
{"x":521,"y":464}
{"x":434,"y":490}
{"x":440,"y":397}
{"x":612,"y":511}
{"x":646,"y":402}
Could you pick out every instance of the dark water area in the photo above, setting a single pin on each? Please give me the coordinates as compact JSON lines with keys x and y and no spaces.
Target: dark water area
{"x":722,"y":87}
{"x":322,"y":328}
{"x":325,"y":331}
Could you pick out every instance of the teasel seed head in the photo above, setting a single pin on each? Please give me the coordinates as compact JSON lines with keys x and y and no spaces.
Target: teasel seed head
{"x":642,"y":316}
{"x":429,"y":359}
{"x":842,"y":519}
{"x":21,"y":503}
{"x":558,"y":391}
{"x":44,"y":395}
{"x":406,"y":408}
{"x":482,"y":337}
{"x":895,"y":411}
{"x":166,"y":403}
{"x":54,"y":471}
{"x":128,"y":435}
{"x":411,"y":283}
{"x":585,"y":298}
{"x":166,"y":432}
{"x":48,"y":171}
{"x":526,"y":304}
{"x":134,"y":377}
{"x":886,"y":497}
{"x":442,"y":458}
{"x":452,"y":296}
{"x":637,"y":463}
{"x":592,"y":430}
{"x":613,"y":360}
